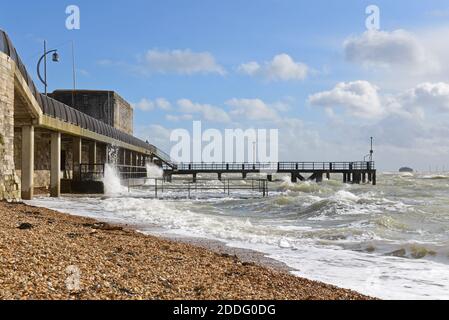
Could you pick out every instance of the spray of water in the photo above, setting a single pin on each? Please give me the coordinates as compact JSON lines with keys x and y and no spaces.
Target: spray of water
{"x":111,"y":181}
{"x":153,"y":171}
{"x":112,"y":154}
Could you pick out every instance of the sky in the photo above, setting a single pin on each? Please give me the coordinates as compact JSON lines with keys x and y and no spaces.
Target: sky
{"x":311,"y":69}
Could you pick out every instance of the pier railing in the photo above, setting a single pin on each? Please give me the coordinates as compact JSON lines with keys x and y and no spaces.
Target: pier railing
{"x":277,"y":167}
{"x":160,"y":187}
{"x":95,"y":172}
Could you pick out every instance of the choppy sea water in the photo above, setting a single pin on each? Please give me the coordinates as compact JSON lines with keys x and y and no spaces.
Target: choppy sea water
{"x":390,"y":241}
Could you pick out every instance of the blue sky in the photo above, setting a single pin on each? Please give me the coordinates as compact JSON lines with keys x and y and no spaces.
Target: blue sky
{"x":309,"y":68}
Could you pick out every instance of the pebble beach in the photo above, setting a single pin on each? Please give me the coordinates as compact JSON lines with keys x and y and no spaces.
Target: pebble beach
{"x":42,"y":250}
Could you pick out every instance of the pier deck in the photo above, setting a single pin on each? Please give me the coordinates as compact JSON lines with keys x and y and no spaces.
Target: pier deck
{"x":353,"y":172}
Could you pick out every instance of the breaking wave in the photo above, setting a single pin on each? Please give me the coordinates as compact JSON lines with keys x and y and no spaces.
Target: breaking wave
{"x":390,"y":241}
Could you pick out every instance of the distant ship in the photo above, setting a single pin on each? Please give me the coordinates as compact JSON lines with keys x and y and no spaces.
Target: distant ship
{"x":406,"y":169}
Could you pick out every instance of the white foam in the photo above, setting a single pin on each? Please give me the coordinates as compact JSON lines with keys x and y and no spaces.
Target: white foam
{"x":111,"y":181}
{"x":322,"y":233}
{"x":154,"y":171}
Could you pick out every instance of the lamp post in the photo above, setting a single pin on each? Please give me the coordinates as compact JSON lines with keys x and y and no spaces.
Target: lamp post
{"x":254,"y":153}
{"x":371,"y":152}
{"x":55,"y":58}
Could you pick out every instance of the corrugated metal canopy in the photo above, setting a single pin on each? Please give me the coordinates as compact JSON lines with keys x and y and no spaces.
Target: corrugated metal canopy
{"x":63,"y":112}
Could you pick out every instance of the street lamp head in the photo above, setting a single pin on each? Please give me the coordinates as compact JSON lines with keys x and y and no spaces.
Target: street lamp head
{"x":55,"y":57}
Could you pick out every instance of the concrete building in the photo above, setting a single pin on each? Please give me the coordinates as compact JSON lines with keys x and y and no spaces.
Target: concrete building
{"x":107,"y":106}
{"x":43,"y":140}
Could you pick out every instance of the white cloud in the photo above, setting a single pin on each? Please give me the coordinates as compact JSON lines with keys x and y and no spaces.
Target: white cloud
{"x":144,"y":105}
{"x":163,"y":104}
{"x":184,"y":62}
{"x":360,"y":98}
{"x":207,"y":111}
{"x":177,"y":118}
{"x":148,"y":105}
{"x":155,"y":134}
{"x":394,"y":50}
{"x":363,"y":100}
{"x":250,"y":68}
{"x":281,"y":68}
{"x":428,"y":95}
{"x":252,"y":109}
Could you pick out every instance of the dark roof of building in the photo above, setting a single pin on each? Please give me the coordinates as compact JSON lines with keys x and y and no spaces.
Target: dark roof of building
{"x":61,"y":111}
{"x":83,"y":91}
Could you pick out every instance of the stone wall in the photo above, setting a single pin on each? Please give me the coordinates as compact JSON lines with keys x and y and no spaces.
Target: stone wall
{"x":41,"y":156}
{"x":106,"y":106}
{"x":9,"y":181}
{"x":123,"y":115}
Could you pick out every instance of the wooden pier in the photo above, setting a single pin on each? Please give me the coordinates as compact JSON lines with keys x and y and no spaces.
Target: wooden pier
{"x":353,"y":172}
{"x":184,"y":177}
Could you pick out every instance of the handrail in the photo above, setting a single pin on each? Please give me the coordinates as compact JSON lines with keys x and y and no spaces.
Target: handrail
{"x":276,"y":166}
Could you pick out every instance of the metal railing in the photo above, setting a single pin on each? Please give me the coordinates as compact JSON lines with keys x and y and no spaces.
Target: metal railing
{"x":88,"y":172}
{"x":278,"y":167}
{"x":160,"y":186}
{"x":96,"y":172}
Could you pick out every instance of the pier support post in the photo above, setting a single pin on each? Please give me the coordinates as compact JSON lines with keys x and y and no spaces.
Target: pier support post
{"x":294,"y":177}
{"x":124,"y":157}
{"x":92,"y":154}
{"x":319,"y":177}
{"x":345,"y":177}
{"x":244,"y":175}
{"x":270,"y":178}
{"x":55,"y":171}
{"x":374,"y":179}
{"x":219,"y":176}
{"x":328,"y":175}
{"x":77,"y":156}
{"x":27,"y":162}
{"x":194,"y":178}
{"x":169,"y":178}
{"x":356,"y":177}
{"x":363,"y":177}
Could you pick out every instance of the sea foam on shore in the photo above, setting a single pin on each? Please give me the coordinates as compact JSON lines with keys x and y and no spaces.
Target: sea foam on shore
{"x":388,"y":241}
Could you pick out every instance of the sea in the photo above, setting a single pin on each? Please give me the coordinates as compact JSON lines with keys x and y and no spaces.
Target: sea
{"x":389,"y":241}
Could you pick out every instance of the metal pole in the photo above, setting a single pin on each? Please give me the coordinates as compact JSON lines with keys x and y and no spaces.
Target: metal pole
{"x":45,"y":65}
{"x":254,"y":152}
{"x":74,"y":74}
